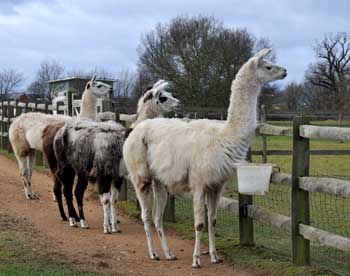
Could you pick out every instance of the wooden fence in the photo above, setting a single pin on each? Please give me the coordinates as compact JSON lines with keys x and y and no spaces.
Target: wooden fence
{"x":301,"y":185}
{"x":300,"y":182}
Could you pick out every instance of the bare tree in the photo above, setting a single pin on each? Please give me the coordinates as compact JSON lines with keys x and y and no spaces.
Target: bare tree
{"x":100,"y":72}
{"x":143,"y":79}
{"x":198,"y":55}
{"x":331,"y":73}
{"x":10,"y":80}
{"x":49,"y":70}
{"x":294,"y":96}
{"x":125,"y":83}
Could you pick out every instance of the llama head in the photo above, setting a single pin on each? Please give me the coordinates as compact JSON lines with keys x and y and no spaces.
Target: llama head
{"x":266,"y":71}
{"x":98,"y":88}
{"x":160,"y":99}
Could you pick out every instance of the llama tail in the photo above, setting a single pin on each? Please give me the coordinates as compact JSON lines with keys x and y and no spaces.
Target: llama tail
{"x":60,"y":146}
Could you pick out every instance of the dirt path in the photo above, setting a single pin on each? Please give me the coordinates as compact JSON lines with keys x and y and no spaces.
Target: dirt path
{"x":125,"y":253}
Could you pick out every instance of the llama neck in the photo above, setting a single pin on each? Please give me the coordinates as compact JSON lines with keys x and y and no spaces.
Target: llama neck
{"x":146,"y":112}
{"x":243,"y":104}
{"x":88,"y":107}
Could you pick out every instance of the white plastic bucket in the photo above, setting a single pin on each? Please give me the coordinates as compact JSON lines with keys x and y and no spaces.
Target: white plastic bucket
{"x":253,"y":179}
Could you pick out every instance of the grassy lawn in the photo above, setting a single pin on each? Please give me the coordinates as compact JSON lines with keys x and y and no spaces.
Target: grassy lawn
{"x":22,"y":253}
{"x":336,"y":165}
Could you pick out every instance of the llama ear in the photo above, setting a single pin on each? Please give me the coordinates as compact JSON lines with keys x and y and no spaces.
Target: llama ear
{"x":148,"y":88}
{"x":147,"y":97}
{"x":88,"y":85}
{"x":93,"y":79}
{"x":262,"y":54}
{"x":160,"y":85}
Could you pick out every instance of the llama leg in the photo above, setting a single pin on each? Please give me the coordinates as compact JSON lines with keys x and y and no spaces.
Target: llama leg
{"x":79,"y":196}
{"x":25,"y":164}
{"x":144,"y":198}
{"x":199,"y":209}
{"x":67,"y":178}
{"x":58,"y":194}
{"x":213,"y":198}
{"x":105,"y":199}
{"x":29,"y":171}
{"x":160,"y":199}
{"x":114,"y":200}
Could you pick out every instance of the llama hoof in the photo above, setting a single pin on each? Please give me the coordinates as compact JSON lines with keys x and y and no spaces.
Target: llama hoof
{"x":107,"y":230}
{"x":196,"y":262}
{"x":64,"y":219}
{"x":116,"y":231}
{"x":216,"y":260}
{"x":31,"y":196}
{"x":83,"y":224}
{"x":196,"y":265}
{"x":34,"y":196}
{"x":72,"y":222}
{"x":171,"y":257}
{"x":154,"y":256}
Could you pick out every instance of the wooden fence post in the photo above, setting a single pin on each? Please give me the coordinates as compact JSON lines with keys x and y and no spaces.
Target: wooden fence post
{"x":70,"y":102}
{"x":300,"y":198}
{"x":10,"y":115}
{"x":4,"y":127}
{"x":123,"y":194}
{"x":58,"y":107}
{"x":18,"y":109}
{"x":169,"y":212}
{"x":246,"y":225}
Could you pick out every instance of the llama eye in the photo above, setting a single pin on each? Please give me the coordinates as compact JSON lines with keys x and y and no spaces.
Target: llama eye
{"x":162,"y":99}
{"x":99,"y":86}
{"x":268,"y":67}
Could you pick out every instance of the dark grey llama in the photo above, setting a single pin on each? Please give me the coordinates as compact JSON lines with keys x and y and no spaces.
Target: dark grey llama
{"x":94,"y":151}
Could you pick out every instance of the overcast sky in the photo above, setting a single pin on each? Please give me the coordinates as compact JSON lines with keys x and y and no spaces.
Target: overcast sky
{"x":106,"y":33}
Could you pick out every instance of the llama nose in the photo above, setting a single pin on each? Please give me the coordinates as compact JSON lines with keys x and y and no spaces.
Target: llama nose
{"x":284,"y":73}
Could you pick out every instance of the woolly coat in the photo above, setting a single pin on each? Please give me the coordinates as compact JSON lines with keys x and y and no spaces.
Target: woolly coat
{"x":93,"y":149}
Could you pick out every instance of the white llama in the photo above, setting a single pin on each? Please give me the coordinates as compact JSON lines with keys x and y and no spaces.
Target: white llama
{"x":196,"y":157}
{"x":26,"y":130}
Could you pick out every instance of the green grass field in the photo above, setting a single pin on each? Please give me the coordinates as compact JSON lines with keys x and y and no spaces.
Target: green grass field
{"x":331,"y":166}
{"x":22,"y":253}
